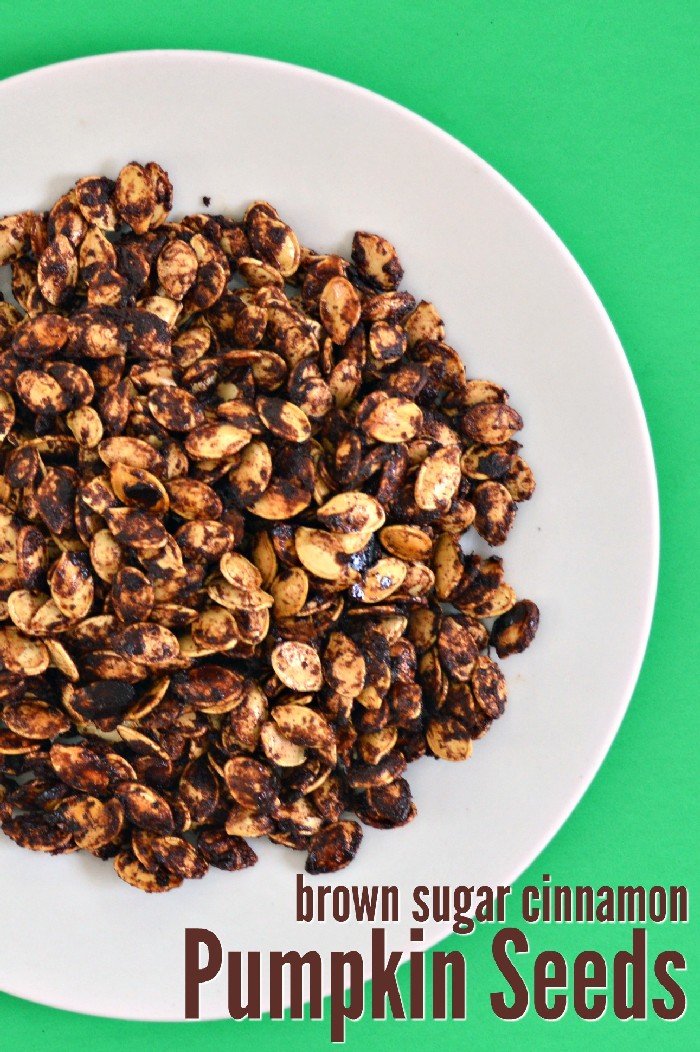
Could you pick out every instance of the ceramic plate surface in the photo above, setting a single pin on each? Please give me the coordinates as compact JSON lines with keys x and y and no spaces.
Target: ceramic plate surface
{"x":334,"y":158}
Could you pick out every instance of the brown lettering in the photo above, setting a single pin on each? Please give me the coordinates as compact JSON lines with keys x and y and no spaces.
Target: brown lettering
{"x":236,"y":1008}
{"x":194,"y":975}
{"x":296,"y":963}
{"x":458,"y":974}
{"x":531,"y":909}
{"x":637,"y":961}
{"x":384,"y":983}
{"x":584,"y":982}
{"x":417,"y":1009}
{"x":543,"y":983}
{"x":678,"y":999}
{"x":510,"y":973}
{"x":340,"y":1011}
{"x":305,"y":900}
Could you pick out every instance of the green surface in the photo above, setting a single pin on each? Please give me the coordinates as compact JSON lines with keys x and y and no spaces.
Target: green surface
{"x":590,"y":109}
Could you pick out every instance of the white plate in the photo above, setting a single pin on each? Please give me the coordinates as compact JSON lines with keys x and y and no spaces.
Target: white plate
{"x":334,"y":158}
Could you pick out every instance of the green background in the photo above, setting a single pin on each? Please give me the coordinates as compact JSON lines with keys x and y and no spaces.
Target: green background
{"x":590,"y":110}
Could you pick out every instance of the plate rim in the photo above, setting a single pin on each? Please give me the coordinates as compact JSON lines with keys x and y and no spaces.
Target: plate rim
{"x":651,"y":486}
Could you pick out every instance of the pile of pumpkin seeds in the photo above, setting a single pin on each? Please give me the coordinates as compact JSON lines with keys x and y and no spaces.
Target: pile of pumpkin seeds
{"x":234,"y":478}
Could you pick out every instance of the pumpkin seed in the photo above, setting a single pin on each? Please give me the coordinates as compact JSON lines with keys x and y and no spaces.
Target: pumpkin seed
{"x":298,"y":666}
{"x":231,"y":521}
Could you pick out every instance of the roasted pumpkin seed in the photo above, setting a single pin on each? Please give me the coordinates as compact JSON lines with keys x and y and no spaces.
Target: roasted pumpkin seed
{"x":234,"y":597}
